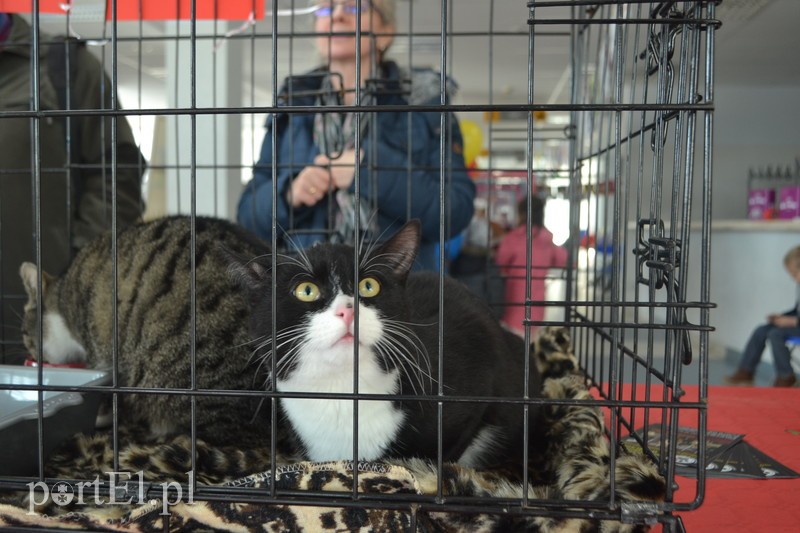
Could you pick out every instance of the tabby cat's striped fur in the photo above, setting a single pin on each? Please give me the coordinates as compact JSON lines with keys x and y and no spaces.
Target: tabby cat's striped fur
{"x":154,"y":323}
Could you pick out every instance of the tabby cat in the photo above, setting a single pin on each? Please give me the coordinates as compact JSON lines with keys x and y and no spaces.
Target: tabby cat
{"x":398,"y":354}
{"x":153,"y":324}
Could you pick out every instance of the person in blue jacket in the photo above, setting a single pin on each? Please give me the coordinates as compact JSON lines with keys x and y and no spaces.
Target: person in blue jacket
{"x":399,"y":151}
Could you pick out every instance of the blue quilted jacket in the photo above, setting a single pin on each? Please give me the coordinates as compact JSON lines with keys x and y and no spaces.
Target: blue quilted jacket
{"x":386,"y":145}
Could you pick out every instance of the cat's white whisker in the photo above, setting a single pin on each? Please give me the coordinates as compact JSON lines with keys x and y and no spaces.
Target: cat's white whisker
{"x":376,"y":266}
{"x":261,"y":342}
{"x":366,"y":255}
{"x":372,"y":258}
{"x":372,"y":264}
{"x":408,"y":368}
{"x":251,"y":342}
{"x":294,"y":261}
{"x":298,"y":335}
{"x":395,"y":321}
{"x":397,"y":358}
{"x":305,"y":263}
{"x":406,"y":333}
{"x":372,"y":244}
{"x":261,"y":257}
{"x":385,"y":350}
{"x":402,"y":351}
{"x":290,"y":355}
{"x":266,"y":356}
{"x":302,"y":253}
{"x":417,"y":374}
{"x":279,"y":339}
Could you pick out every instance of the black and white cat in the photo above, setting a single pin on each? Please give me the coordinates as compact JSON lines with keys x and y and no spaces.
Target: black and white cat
{"x":398,"y":354}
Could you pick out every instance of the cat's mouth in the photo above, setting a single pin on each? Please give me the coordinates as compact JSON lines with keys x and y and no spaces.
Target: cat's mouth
{"x":347,"y":338}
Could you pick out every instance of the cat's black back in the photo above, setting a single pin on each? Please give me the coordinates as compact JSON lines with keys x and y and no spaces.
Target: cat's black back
{"x":480,"y":359}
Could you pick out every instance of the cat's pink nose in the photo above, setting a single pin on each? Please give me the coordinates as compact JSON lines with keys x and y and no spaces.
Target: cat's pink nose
{"x":346,"y":313}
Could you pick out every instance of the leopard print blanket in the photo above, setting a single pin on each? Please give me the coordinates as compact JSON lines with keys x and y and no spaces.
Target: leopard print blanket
{"x":394,"y":495}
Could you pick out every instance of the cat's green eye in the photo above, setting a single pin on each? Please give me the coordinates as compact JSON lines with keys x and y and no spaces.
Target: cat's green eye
{"x":306,"y":291}
{"x":369,"y":287}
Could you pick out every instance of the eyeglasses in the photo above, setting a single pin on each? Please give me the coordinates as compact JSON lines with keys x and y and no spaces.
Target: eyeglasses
{"x":326,"y":9}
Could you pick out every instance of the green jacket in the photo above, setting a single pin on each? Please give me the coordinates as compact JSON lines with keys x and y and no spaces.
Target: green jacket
{"x":76,"y":203}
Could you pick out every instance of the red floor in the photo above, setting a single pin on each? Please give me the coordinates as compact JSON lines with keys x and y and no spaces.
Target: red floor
{"x":770,"y":420}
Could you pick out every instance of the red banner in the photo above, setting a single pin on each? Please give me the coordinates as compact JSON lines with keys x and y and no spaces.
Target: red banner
{"x":182,"y":9}
{"x":26,"y":6}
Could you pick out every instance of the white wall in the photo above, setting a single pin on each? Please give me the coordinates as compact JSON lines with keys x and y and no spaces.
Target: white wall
{"x":217,"y":141}
{"x":754,"y":127}
{"x":748,"y":280}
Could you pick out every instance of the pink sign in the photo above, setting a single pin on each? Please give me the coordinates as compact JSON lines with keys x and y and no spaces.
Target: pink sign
{"x":789,"y":202}
{"x":759,"y":203}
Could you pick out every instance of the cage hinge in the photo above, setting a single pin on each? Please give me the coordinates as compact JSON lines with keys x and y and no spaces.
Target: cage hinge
{"x":663,"y":257}
{"x":639,"y":513}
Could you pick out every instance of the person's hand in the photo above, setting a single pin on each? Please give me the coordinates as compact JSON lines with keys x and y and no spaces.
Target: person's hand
{"x":342,"y":169}
{"x":783,"y":321}
{"x":309,"y":187}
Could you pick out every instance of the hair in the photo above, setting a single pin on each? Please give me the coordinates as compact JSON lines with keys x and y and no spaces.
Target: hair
{"x":792,"y":259}
{"x":386,"y":9}
{"x":537,"y":211}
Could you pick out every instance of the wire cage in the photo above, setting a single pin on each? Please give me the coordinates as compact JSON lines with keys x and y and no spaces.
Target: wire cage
{"x":642,"y":152}
{"x":619,"y":144}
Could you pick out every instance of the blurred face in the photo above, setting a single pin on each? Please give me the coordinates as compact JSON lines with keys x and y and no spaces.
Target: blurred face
{"x":342,"y":16}
{"x":794,"y":272}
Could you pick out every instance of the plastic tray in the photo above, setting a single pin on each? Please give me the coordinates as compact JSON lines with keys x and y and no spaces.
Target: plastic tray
{"x":64,"y":413}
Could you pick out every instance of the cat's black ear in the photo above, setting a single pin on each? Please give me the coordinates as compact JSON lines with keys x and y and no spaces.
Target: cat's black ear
{"x":401,"y":249}
{"x":249,"y":272}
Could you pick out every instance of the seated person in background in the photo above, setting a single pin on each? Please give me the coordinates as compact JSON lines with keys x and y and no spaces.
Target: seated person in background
{"x":511,"y":258}
{"x":776,"y":331}
{"x":76,"y":205}
{"x":399,"y":156}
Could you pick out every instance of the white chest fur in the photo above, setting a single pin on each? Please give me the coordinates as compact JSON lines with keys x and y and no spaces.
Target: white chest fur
{"x":326,"y":426}
{"x":59,"y":345}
